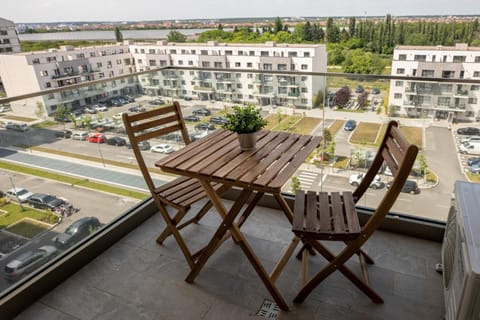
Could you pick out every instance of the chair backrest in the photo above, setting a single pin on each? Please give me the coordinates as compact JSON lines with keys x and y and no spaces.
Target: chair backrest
{"x":399,"y":155}
{"x":152,"y":124}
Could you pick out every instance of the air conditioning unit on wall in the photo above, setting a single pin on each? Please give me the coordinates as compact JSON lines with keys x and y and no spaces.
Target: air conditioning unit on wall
{"x":461,"y":254}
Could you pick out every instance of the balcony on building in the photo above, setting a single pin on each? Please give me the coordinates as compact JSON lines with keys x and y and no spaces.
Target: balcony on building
{"x":120,"y":272}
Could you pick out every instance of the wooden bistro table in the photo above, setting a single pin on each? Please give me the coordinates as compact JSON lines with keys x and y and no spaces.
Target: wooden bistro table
{"x":218,"y":158}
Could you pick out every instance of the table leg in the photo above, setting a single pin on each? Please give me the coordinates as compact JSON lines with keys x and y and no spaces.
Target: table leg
{"x":228,"y":224}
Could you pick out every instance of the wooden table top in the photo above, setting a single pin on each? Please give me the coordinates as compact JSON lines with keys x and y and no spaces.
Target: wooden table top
{"x":218,"y":157}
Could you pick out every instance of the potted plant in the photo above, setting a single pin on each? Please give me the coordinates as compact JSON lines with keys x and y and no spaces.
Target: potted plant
{"x":245,"y":121}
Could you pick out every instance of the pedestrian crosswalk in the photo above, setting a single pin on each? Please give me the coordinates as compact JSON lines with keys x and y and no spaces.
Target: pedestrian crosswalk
{"x":307,"y":179}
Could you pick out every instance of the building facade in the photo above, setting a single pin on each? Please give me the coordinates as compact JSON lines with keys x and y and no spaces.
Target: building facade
{"x":24,"y":73}
{"x":9,"y":42}
{"x":433,"y":99}
{"x":226,"y":84}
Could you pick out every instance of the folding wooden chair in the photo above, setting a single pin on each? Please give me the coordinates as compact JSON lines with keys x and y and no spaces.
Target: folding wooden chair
{"x":180,"y":193}
{"x":333,"y":217}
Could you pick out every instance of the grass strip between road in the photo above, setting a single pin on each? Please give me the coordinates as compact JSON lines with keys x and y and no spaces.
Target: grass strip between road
{"x":86,"y":183}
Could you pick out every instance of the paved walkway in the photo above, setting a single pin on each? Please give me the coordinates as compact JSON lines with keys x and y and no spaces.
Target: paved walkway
{"x":92,"y":171}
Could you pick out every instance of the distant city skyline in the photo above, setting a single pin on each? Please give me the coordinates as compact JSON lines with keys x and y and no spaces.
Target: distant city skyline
{"x":32,"y":11}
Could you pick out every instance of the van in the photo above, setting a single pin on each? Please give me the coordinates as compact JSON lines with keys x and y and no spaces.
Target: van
{"x":471,"y":139}
{"x":80,"y":135}
{"x":470,"y":148}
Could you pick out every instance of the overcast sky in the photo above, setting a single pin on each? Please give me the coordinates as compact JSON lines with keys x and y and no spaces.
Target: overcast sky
{"x":131,"y":10}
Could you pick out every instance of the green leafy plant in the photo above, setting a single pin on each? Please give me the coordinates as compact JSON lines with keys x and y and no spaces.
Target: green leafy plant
{"x":245,"y":119}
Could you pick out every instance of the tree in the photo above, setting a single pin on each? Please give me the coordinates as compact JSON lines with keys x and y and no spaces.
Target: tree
{"x":118,"y":34}
{"x":278,"y":25}
{"x":40,"y":112}
{"x":342,"y":96}
{"x":362,"y":99}
{"x":318,"y":99}
{"x":176,"y":36}
{"x":333,"y":32}
{"x":61,"y":113}
{"x":295,"y":184}
{"x":351,"y":26}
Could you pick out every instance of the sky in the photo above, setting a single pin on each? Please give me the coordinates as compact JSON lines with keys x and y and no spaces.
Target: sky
{"x":23,"y":11}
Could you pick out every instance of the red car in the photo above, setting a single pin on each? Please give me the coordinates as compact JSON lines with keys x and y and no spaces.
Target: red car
{"x":97,"y":138}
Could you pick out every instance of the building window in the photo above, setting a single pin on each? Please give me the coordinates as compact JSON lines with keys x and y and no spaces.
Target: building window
{"x":448,"y":74}
{"x":251,"y":53}
{"x":292,"y":67}
{"x":249,"y":76}
{"x":99,"y":65}
{"x":444,"y":101}
{"x":475,"y":87}
{"x":152,"y":63}
{"x":267,"y":66}
{"x":204,"y":52}
{"x":48,"y":85}
{"x":304,"y":90}
{"x":402,"y":57}
{"x":238,"y":64}
{"x":420,"y":57}
{"x":180,"y":62}
{"x":428,"y":73}
{"x":249,"y":65}
{"x":35,"y":60}
{"x":398,"y":83}
{"x":292,"y":54}
{"x":306,"y":54}
{"x":477,"y":59}
{"x":239,"y":86}
{"x":304,"y":67}
{"x":205,"y":64}
{"x":400,"y":71}
{"x":218,"y":65}
{"x":228,"y":52}
{"x":282,"y":67}
{"x":264,"y":53}
{"x":459,"y":58}
{"x":476,"y":74}
{"x":238,"y":75}
{"x":173,"y":51}
{"x":250,"y":86}
{"x":472,"y":100}
{"x":44,"y":73}
{"x":397,"y":96}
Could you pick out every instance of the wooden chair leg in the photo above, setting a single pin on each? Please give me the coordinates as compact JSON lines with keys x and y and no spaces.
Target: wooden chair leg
{"x":167,"y":231}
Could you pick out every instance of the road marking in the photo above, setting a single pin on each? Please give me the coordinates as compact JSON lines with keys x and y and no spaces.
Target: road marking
{"x":306,"y":179}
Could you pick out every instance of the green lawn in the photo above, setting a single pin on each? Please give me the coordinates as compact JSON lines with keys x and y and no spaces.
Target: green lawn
{"x":413,"y":134}
{"x":16,"y":213}
{"x":365,"y":133}
{"x":28,"y":228}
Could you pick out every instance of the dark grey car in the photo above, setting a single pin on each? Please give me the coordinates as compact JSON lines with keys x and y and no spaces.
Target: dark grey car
{"x":45,"y":201}
{"x":77,"y":231}
{"x":28,"y":261}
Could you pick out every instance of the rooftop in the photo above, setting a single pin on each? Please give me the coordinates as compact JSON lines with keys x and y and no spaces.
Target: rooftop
{"x":138,"y":279}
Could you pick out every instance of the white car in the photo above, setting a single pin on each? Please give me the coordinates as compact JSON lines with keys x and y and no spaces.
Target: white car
{"x":162,"y":148}
{"x":356,"y":179}
{"x":100,"y":108}
{"x":19,"y":194}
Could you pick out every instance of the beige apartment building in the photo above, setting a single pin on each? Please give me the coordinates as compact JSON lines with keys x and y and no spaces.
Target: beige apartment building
{"x":9,"y":42}
{"x":248,"y":85}
{"x":25,"y":73}
{"x":28,"y":72}
{"x":439,"y":100}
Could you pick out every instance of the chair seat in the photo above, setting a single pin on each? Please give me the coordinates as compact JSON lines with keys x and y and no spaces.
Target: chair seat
{"x":182,"y":192}
{"x":325,"y":216}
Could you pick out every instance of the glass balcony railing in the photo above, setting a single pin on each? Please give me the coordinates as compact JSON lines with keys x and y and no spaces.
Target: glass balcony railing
{"x":43,"y":146}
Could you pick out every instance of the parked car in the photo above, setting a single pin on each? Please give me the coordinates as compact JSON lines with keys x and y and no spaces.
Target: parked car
{"x":77,"y":231}
{"x":142,"y":145}
{"x":359,"y":89}
{"x":138,"y":108}
{"x":201,"y":112}
{"x":162,"y":148}
{"x":410,"y":186}
{"x":469,"y":131}
{"x":79,"y":135}
{"x":28,"y":261}
{"x":192,"y":118}
{"x":18,"y":194}
{"x":473,"y":160}
{"x":45,"y":201}
{"x":187,"y":98}
{"x":350,"y":125}
{"x":204,"y":126}
{"x":475,"y":168}
{"x":375,"y":91}
{"x":89,"y":110}
{"x":22,"y":127}
{"x":113,"y":102}
{"x":65,"y":134}
{"x":129,"y":98}
{"x":218,"y":120}
{"x":97,"y":138}
{"x":470,"y":139}
{"x":470,"y":148}
{"x":156,"y":102}
{"x":116,"y":141}
{"x":356,"y":179}
{"x":100,"y":108}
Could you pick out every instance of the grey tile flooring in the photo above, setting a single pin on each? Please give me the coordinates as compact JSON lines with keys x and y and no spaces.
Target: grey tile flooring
{"x":139,"y":279}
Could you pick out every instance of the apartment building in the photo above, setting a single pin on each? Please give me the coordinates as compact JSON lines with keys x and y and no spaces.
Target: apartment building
{"x":9,"y":42}
{"x":227,"y":85}
{"x":28,"y":72}
{"x":439,"y":100}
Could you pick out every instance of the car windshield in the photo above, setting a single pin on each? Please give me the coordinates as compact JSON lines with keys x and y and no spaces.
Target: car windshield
{"x":72,"y":229}
{"x":48,"y":199}
{"x":21,"y":192}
